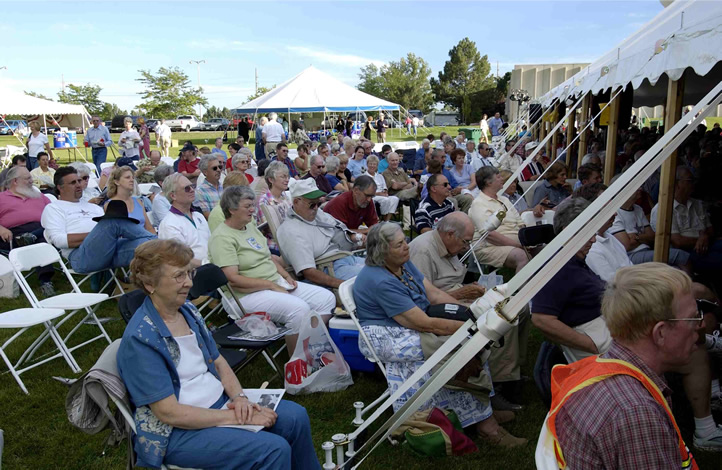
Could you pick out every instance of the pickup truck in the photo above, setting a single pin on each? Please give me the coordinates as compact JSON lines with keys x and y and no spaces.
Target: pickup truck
{"x":185,"y":123}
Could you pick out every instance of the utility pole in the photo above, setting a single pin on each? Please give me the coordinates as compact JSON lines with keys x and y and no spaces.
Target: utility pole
{"x":62,"y":80}
{"x":256,"y":80}
{"x":198,"y":65}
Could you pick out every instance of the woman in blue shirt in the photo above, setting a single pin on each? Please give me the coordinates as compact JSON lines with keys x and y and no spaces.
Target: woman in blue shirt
{"x":392,"y":297}
{"x":357,"y":165}
{"x":554,"y":188}
{"x":185,"y":393}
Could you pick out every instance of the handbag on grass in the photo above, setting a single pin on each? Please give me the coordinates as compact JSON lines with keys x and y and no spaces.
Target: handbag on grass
{"x":435,"y":433}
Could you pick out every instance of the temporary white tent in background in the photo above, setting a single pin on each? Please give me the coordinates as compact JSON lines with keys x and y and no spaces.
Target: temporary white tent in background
{"x":686,"y":34}
{"x":61,"y":114}
{"x":315,"y":91}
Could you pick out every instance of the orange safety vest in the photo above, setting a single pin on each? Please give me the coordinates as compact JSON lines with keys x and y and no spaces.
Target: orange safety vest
{"x":566,"y":380}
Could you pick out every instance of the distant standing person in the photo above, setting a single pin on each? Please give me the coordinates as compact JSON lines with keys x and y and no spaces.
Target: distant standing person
{"x":484,"y":126}
{"x":129,"y":140}
{"x":339,"y":126}
{"x":98,"y":139}
{"x":349,"y":126}
{"x":415,"y":125}
{"x":381,"y":129}
{"x":243,"y":128}
{"x":408,"y":125}
{"x":273,"y":134}
{"x":36,"y":143}
{"x":164,"y":137}
{"x":495,"y":124}
{"x":260,"y":150}
{"x":367,"y":128}
{"x":144,"y":138}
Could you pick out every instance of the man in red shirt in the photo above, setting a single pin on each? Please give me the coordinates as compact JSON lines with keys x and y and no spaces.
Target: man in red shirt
{"x":188,"y":165}
{"x":356,"y":206}
{"x":21,"y":207}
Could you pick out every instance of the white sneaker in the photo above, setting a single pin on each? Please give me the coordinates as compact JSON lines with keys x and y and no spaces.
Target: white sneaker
{"x":711,"y":443}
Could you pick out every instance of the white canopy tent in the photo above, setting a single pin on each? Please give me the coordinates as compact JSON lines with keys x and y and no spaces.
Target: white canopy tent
{"x":686,"y":34}
{"x":315,"y":91}
{"x":62,"y":114}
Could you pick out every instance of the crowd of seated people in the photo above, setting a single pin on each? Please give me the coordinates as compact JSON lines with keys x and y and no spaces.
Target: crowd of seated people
{"x":330,"y":204}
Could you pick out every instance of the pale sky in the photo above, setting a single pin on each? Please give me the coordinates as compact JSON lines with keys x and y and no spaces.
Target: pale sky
{"x":106,"y":43}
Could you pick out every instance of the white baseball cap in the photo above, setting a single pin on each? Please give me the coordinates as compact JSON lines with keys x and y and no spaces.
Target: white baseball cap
{"x":306,"y":188}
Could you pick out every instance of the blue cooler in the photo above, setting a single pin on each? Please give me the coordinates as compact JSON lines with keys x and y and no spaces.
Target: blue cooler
{"x":60,"y":140}
{"x":72,"y":138}
{"x":344,"y":333}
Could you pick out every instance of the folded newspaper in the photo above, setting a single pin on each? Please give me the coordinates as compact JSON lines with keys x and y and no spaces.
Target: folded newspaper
{"x":247,"y":336}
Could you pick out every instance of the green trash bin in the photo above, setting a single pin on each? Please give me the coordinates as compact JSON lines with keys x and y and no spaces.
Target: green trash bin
{"x":472,"y":133}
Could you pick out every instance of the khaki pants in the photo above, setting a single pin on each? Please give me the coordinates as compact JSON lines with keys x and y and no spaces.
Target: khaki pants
{"x":505,"y":362}
{"x":463,"y":202}
{"x":270,"y":147}
{"x":406,"y":194}
{"x":165,"y":145}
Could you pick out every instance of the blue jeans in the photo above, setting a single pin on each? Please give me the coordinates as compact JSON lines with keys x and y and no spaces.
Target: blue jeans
{"x":287,"y":445}
{"x":348,"y":267}
{"x":111,"y":244}
{"x":99,"y":156}
{"x":31,"y":163}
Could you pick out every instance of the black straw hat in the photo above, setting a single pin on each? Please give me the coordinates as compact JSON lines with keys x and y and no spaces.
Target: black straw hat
{"x":116,"y":210}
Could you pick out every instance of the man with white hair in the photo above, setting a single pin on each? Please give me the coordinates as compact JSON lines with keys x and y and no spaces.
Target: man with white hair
{"x":436,"y":254}
{"x":163,"y":132}
{"x":21,"y":208}
{"x":273,"y":134}
{"x":614,"y":410}
{"x":208,"y":193}
{"x":309,"y":233}
{"x":219,"y":148}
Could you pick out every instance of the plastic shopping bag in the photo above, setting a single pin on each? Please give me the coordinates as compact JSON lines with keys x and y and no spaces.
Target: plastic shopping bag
{"x":316,"y":365}
{"x":258,"y":324}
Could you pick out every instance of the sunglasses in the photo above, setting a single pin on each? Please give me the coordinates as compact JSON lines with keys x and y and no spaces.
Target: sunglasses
{"x":314,"y":205}
{"x":446,"y":185}
{"x":190,"y":188}
{"x":85,"y":178}
{"x":215,"y":168}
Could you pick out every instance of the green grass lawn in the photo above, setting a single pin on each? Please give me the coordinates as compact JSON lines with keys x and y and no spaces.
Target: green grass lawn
{"x":39,"y":436}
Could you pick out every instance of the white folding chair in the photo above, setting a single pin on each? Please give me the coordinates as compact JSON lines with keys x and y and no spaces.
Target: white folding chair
{"x":105,"y":165}
{"x":145,"y":188}
{"x":42,"y":254}
{"x":529,"y":219}
{"x":24,"y":319}
{"x":93,"y":170}
{"x":345,"y":292}
{"x":51,"y":197}
{"x":167,"y":160}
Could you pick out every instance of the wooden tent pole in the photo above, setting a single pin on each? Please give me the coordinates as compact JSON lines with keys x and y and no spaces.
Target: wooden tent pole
{"x":611,"y":152}
{"x":570,"y":137}
{"x":582,"y":123}
{"x":673,"y":112}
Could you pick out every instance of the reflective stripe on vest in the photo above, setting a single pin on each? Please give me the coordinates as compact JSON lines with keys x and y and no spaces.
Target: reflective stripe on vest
{"x":566,"y":380}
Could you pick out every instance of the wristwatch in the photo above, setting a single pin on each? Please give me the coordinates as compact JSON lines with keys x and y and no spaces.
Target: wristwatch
{"x":240,"y":395}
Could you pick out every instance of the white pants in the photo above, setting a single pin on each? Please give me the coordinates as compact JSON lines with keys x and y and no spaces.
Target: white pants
{"x":287,"y":309}
{"x":599,"y":333}
{"x":388,"y":204}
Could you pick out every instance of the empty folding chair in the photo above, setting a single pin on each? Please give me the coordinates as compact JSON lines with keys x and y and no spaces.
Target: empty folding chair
{"x":23,"y":319}
{"x":43,"y":254}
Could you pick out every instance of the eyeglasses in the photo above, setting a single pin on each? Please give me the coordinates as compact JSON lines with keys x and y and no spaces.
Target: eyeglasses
{"x":180,"y":277}
{"x":313,"y":205}
{"x":215,"y":168}
{"x":320,"y":166}
{"x":190,"y":188}
{"x":466,"y":243}
{"x":697,"y":320}
{"x":446,"y":184}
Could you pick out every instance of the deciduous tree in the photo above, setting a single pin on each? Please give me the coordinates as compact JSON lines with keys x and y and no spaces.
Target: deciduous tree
{"x":168,"y":93}
{"x":262,"y":90}
{"x":405,"y":82}
{"x":87,"y":95}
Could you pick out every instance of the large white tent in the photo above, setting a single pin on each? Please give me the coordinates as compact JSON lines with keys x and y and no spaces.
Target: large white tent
{"x":686,"y":34}
{"x":315,"y":91}
{"x":52,"y":112}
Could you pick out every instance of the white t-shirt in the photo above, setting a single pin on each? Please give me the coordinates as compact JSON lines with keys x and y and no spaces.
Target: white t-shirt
{"x":273,"y":132}
{"x":178,"y":227}
{"x":163,"y":130}
{"x":633,"y":221}
{"x":380,"y":182}
{"x":63,"y":217}
{"x":415,"y":121}
{"x":37,"y":144}
{"x":198,"y":386}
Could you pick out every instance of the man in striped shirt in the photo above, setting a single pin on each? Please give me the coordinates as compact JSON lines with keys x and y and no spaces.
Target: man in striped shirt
{"x":435,"y":205}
